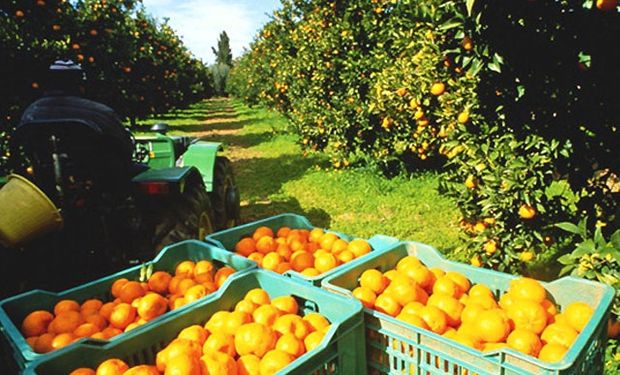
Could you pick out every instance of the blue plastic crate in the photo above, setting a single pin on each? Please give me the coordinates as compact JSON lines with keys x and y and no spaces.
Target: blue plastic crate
{"x":13,"y":310}
{"x":395,"y":347}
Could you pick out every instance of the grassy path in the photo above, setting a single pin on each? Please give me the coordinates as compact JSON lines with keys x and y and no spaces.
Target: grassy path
{"x":274,"y":176}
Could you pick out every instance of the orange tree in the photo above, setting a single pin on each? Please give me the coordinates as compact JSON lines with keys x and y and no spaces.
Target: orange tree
{"x":134,"y":63}
{"x":513,"y":101}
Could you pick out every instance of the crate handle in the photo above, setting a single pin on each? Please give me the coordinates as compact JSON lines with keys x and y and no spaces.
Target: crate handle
{"x":305,"y":303}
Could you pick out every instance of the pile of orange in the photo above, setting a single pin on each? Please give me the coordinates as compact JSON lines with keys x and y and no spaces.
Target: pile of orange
{"x":260,"y":337}
{"x":523,"y":318}
{"x":135,"y":303}
{"x":309,"y":252}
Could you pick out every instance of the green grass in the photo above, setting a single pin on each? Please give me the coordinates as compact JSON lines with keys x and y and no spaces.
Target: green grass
{"x":275,"y":177}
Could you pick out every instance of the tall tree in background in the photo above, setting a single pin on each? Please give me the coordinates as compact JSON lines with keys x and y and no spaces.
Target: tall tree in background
{"x":223,"y":62}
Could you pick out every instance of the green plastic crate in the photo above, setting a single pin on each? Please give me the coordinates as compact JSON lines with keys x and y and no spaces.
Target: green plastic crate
{"x":14,"y":309}
{"x":341,"y":352}
{"x":227,"y":239}
{"x":395,"y":347}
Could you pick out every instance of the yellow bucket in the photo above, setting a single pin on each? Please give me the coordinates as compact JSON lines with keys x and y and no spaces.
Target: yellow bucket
{"x":25,"y":212}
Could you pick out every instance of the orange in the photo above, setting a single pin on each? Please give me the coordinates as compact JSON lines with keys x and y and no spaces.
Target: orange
{"x":460,"y":280}
{"x":65,"y":322}
{"x":311,"y":247}
{"x":152,"y":306}
{"x":327,"y":241}
{"x":391,"y":274}
{"x":345,"y":256}
{"x":63,"y":339}
{"x":254,"y":338}
{"x":66,"y":305}
{"x":437,"y":272}
{"x":35,"y":323}
{"x":310,"y":272}
{"x":44,"y":343}
{"x":185,"y":268}
{"x":112,"y":366}
{"x":412,"y":308}
{"x":412,"y":319}
{"x":220,"y":342}
{"x":222,"y":275}
{"x":195,"y":333}
{"x":257,"y":257}
{"x":552,"y":353}
{"x":204,"y":271}
{"x":110,"y":332}
{"x":130,"y":291}
{"x":506,"y":301}
{"x":290,"y":344}
{"x":468,"y":341}
{"x":291,"y":323}
{"x":274,"y":361}
{"x":177,"y":348}
{"x":486,"y":301}
{"x":316,"y":234}
{"x":524,"y":341}
{"x":447,"y":286}
{"x":217,"y":363}
{"x":438,"y":88}
{"x":434,"y":318}
{"x":492,"y":326}
{"x":257,"y":296}
{"x":449,"y":305}
{"x":283,"y":232}
{"x":578,"y":315}
{"x":558,"y":333}
{"x":235,"y":320}
{"x":91,"y":304}
{"x":176,"y":302}
{"x":325,"y":262}
{"x":470,"y":313}
{"x":528,"y":315}
{"x":607,"y":5}
{"x":283,"y":267}
{"x":405,"y":290}
{"x":142,"y":370}
{"x":285,"y":304}
{"x":266,"y":245}
{"x":339,"y":246}
{"x":374,"y":280}
{"x":245,"y":306}
{"x":526,"y":288}
{"x":86,"y":330}
{"x":217,"y":321}
{"x":185,"y":364}
{"x":551,"y":310}
{"x":359,"y":247}
{"x":316,"y":321}
{"x":387,"y":304}
{"x":248,"y":365}
{"x":245,"y":246}
{"x":366,"y":296}
{"x":421,"y":275}
{"x":302,"y":260}
{"x":32,"y":341}
{"x":480,"y":290}
{"x":491,"y":346}
{"x":83,"y":371}
{"x":261,"y":232}
{"x":313,"y":340}
{"x":266,"y":314}
{"x":122,"y":315}
{"x":117,"y":285}
{"x":195,"y":293}
{"x":271,"y":261}
{"x":173,"y":285}
{"x":284,"y":251}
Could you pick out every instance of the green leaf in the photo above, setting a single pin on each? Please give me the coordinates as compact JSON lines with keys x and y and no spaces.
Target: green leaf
{"x":586,"y":247}
{"x":494,"y":67}
{"x":565,"y":270}
{"x":598,"y":237}
{"x":470,"y":6}
{"x":615,"y":239}
{"x":566,"y":259}
{"x":568,"y":227}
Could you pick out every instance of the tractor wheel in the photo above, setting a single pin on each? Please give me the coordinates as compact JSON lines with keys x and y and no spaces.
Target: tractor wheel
{"x":188,"y":216}
{"x":225,"y":195}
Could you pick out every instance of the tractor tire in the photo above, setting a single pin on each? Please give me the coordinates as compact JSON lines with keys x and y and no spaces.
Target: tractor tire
{"x":225,"y":195}
{"x":188,"y":216}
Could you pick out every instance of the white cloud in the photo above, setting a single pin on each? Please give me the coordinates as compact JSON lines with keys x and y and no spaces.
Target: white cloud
{"x":199,"y":22}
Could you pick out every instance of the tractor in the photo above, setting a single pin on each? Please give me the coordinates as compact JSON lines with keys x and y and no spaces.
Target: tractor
{"x":94,"y":198}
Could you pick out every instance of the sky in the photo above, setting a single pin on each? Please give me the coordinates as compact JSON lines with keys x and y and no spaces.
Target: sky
{"x":200,"y":22}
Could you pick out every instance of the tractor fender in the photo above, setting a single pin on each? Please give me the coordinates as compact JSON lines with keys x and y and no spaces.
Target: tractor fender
{"x":176,"y":177}
{"x":202,"y":154}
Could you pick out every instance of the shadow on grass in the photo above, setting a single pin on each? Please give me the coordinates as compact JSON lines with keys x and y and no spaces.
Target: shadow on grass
{"x":244,"y":140}
{"x":259,"y":210}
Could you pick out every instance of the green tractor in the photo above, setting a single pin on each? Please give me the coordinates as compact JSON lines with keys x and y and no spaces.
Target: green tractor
{"x":95,"y":198}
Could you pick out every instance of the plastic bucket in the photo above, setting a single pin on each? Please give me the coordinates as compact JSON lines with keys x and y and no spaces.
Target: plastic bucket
{"x":26,"y":212}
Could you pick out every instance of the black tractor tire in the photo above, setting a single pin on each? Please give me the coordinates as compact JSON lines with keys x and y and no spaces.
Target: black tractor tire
{"x":188,"y":216}
{"x":225,"y":195}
